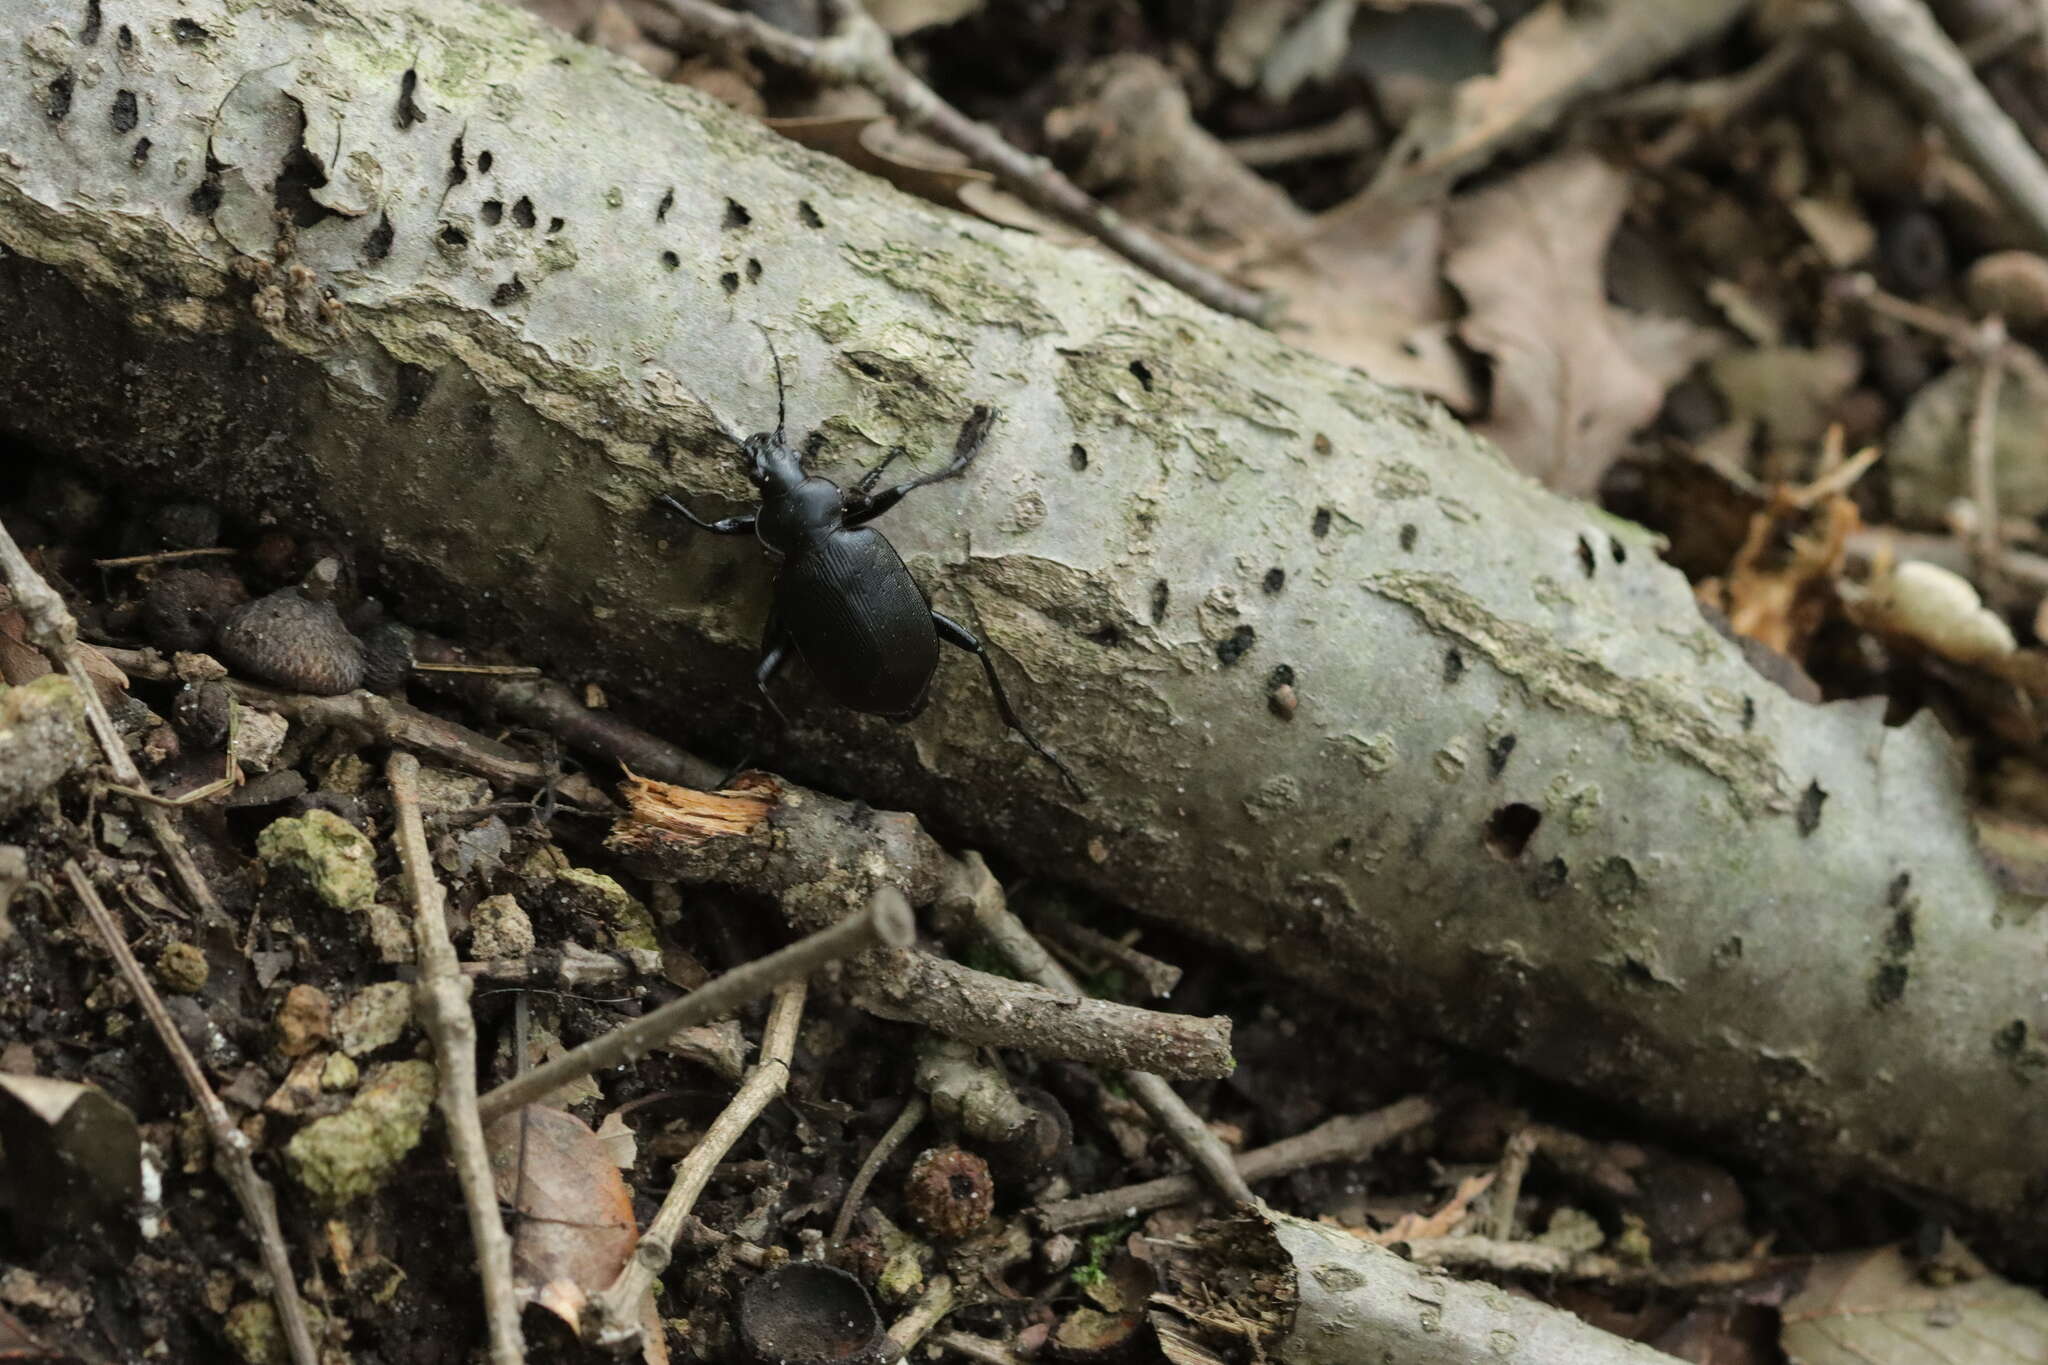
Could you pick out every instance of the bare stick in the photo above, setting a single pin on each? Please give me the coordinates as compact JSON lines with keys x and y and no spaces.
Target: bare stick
{"x":1507,"y":1191}
{"x":166,"y":557}
{"x":259,"y":1205}
{"x":1987,"y":544}
{"x":443,"y":996}
{"x":1535,"y":1258}
{"x":1158,"y":978}
{"x":976,"y":1348}
{"x":1175,"y":1118}
{"x":614,"y":1321}
{"x":905,"y":1123}
{"x":928,"y":1312}
{"x":886,"y":921}
{"x":52,"y":629}
{"x":1351,"y":1137}
{"x":859,"y":54}
{"x":1939,"y":79}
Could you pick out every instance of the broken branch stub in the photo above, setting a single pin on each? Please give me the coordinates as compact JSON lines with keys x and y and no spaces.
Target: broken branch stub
{"x":1526,"y":796}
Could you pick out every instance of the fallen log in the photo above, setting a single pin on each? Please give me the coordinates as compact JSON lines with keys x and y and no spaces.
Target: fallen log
{"x":434,"y":280}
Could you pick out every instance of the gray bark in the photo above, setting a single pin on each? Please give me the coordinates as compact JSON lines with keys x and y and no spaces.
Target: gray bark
{"x":1758,"y":919}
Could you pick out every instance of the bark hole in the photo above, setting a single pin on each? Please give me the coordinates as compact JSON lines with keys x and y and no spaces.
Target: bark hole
{"x":511,"y":289}
{"x":1161,"y":595}
{"x":454,"y":237}
{"x":730,"y":281}
{"x":522,"y":213}
{"x":377,"y":245}
{"x":1888,"y":984}
{"x":1108,"y":636}
{"x":301,"y":174}
{"x":1617,"y":551}
{"x":1497,"y":755}
{"x":1454,"y":667}
{"x":1078,"y":458}
{"x":1587,"y":559}
{"x":90,"y":34}
{"x":1509,"y":829}
{"x":126,"y":113}
{"x":60,"y":89}
{"x":492,"y":211}
{"x":753,"y":271}
{"x":1319,"y":526}
{"x":1810,"y":803}
{"x":1275,"y":580}
{"x":1239,"y":644}
{"x":668,"y":201}
{"x":189,"y":32}
{"x":409,"y":111}
{"x":1144,"y":374}
{"x":140,"y":156}
{"x":1748,"y":713}
{"x":1322,"y":444}
{"x":1550,"y":879}
{"x":1408,"y":534}
{"x":670,"y":260}
{"x":458,"y":168}
{"x":807,"y":215}
{"x":483,"y":163}
{"x":205,"y":198}
{"x":124,"y":38}
{"x":555,"y":225}
{"x":736,"y":216}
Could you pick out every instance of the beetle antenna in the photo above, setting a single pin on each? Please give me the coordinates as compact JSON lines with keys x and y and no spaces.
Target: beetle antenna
{"x":775,"y":356}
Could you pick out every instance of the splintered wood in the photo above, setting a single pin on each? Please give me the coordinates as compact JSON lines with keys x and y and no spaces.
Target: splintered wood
{"x":695,"y":817}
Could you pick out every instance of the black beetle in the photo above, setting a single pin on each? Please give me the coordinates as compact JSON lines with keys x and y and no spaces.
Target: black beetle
{"x":843,"y":599}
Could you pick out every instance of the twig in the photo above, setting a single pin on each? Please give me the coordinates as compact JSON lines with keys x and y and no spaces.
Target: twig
{"x":1938,"y":77}
{"x":480,"y":670}
{"x":259,"y":1205}
{"x":1727,"y":98}
{"x":886,"y":921}
{"x":1181,"y":1124}
{"x":443,"y":997}
{"x":52,"y":629}
{"x":1535,"y":1258}
{"x":1158,"y":978}
{"x":817,"y":853}
{"x":1507,"y":1191}
{"x":614,"y":1320}
{"x":1987,"y":542}
{"x":928,"y":1312}
{"x":859,"y":54}
{"x":388,"y":722}
{"x":893,"y":1137}
{"x":976,"y":1348}
{"x":165,"y":557}
{"x":1348,"y":134}
{"x":572,"y":967}
{"x":1352,"y":1137}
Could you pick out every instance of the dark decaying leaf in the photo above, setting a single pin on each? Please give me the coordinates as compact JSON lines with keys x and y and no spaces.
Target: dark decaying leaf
{"x":73,"y":1154}
{"x":570,"y":1213}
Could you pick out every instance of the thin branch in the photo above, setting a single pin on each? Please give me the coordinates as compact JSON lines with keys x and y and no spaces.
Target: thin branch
{"x":1535,"y":1258}
{"x":259,"y":1205}
{"x":1987,"y":542}
{"x":905,"y":1123}
{"x":1352,"y":1137}
{"x":1939,"y":79}
{"x":614,"y":1321}
{"x":1181,"y":1124}
{"x":1507,"y":1191}
{"x":443,"y":996}
{"x":975,"y":1348}
{"x":859,"y":54}
{"x":886,"y":921}
{"x":166,"y":557}
{"x":1158,"y":978}
{"x":928,"y":1312}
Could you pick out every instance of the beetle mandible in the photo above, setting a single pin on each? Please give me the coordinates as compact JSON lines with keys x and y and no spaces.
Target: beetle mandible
{"x":843,"y":599}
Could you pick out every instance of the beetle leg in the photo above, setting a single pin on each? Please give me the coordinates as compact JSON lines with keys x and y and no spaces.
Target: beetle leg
{"x":874,"y":476}
{"x":953,"y":633}
{"x":973,"y":433}
{"x":724,"y":526}
{"x":775,"y":648}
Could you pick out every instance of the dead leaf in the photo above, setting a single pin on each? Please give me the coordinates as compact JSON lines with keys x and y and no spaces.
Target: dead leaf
{"x":73,"y":1154}
{"x":1574,"y":376}
{"x":1790,"y":391}
{"x":1442,"y":1223}
{"x":1871,"y":1308}
{"x":574,"y":1225}
{"x":1927,"y":448}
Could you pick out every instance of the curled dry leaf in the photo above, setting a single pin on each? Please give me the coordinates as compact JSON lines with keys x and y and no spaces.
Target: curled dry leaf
{"x":1927,"y":450}
{"x":573,"y":1218}
{"x":1781,"y":586}
{"x":1932,"y":607}
{"x":1574,"y":376}
{"x":1442,"y":1223}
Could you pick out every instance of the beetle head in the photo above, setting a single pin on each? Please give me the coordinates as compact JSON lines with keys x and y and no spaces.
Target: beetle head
{"x":770,"y":464}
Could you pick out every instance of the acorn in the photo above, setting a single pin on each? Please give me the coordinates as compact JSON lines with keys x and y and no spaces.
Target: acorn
{"x":183,"y":608}
{"x":949,"y":1193}
{"x":387,"y":656}
{"x":295,"y":643}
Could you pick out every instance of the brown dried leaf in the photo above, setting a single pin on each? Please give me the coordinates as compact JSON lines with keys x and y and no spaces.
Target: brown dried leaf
{"x":1442,"y":1223}
{"x":574,"y":1227}
{"x":872,"y":143}
{"x":1872,"y":1308}
{"x":1573,"y":375}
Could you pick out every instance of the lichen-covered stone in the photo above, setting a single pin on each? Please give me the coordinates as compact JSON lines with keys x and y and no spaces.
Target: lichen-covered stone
{"x":499,"y":929}
{"x":303,"y":1020}
{"x":181,"y":967}
{"x":374,"y":1017}
{"x":43,"y":739}
{"x":336,"y":860}
{"x":348,"y":1155}
{"x":623,"y":920}
{"x":256,"y":1334}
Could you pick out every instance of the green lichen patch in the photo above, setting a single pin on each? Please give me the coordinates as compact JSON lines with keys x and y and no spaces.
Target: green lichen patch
{"x":350,"y":1154}
{"x":42,"y":739}
{"x":336,"y":860}
{"x":622,"y":920}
